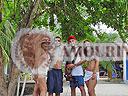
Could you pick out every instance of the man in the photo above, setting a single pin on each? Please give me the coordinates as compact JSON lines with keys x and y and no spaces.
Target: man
{"x":39,"y":73}
{"x":30,"y":53}
{"x":91,"y":72}
{"x":55,"y":75}
{"x":77,"y":71}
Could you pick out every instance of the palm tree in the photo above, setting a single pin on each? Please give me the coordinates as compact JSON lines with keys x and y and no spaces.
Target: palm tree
{"x":8,"y":29}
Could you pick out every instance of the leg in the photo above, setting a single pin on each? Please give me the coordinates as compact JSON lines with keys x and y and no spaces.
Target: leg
{"x":73,"y":91}
{"x":36,"y":91}
{"x":50,"y":82}
{"x":91,"y":86}
{"x":80,"y":84}
{"x":57,"y":94}
{"x":42,"y":85}
{"x":73,"y":87}
{"x":58,"y":76}
{"x":83,"y":93}
{"x":50,"y":94}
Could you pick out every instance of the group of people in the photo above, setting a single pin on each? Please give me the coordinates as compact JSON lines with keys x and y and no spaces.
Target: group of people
{"x":53,"y":81}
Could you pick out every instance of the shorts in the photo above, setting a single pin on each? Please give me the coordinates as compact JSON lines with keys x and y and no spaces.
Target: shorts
{"x":77,"y":82}
{"x":88,"y":75}
{"x":55,"y":81}
{"x":40,"y":70}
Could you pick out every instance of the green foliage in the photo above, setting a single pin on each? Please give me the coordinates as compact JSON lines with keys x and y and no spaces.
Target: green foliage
{"x":107,"y":65}
{"x":74,"y":18}
{"x":42,"y":20}
{"x":6,"y":36}
{"x":111,"y":12}
{"x":107,"y":38}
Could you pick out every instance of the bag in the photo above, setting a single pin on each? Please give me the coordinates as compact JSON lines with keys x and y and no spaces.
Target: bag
{"x":68,"y":71}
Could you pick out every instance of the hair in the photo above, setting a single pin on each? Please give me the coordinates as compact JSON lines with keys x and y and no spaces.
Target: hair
{"x":24,"y":48}
{"x":87,"y":40}
{"x":58,"y":37}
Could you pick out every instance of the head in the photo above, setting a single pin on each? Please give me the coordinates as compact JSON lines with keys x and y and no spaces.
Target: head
{"x":87,"y":47}
{"x":87,"y":41}
{"x":45,"y":43}
{"x":57,"y":41}
{"x":72,"y":40}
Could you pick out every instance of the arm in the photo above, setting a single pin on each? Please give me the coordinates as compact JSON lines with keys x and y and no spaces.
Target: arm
{"x":125,"y":46}
{"x":77,"y":64}
{"x":96,"y":69}
{"x":35,"y":78}
{"x":83,"y":60}
{"x":80,"y":63}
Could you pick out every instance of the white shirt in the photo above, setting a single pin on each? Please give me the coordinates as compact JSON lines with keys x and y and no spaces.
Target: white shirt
{"x":77,"y":71}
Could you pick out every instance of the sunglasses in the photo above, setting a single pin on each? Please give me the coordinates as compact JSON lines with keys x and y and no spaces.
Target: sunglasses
{"x":58,"y":40}
{"x":46,"y":42}
{"x":71,"y":40}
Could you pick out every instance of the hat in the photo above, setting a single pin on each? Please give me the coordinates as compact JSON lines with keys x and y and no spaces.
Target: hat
{"x":71,"y":37}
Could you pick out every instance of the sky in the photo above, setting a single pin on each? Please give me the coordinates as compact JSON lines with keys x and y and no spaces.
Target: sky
{"x":103,"y":28}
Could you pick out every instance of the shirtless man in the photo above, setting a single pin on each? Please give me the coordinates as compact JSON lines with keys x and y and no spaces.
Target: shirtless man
{"x":40,"y":73}
{"x":31,"y":52}
{"x":55,"y":74}
{"x":91,"y":74}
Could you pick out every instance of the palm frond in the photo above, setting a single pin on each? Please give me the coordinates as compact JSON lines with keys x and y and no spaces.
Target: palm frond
{"x":6,"y":37}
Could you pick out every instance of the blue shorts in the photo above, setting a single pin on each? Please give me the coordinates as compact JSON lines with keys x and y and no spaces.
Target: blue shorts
{"x":55,"y":81}
{"x":77,"y":81}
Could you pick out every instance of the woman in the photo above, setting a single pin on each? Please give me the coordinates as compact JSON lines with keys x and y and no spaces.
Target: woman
{"x":91,"y":71}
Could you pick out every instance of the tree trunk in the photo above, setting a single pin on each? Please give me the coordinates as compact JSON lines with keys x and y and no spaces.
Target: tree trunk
{"x":0,"y":10}
{"x":13,"y":81}
{"x":28,"y":18}
{"x":3,"y":85}
{"x":9,"y":88}
{"x":0,"y":16}
{"x":27,"y":22}
{"x":110,"y":74}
